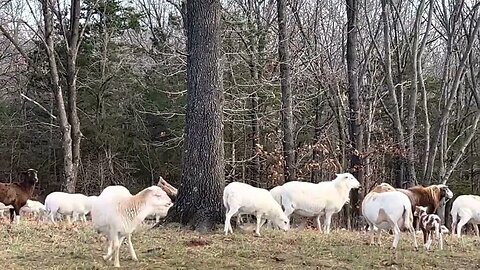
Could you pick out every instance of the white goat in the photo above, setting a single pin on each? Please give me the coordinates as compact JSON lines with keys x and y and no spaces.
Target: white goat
{"x":70,"y":205}
{"x":116,"y":213}
{"x":34,"y":207}
{"x":388,"y":210}
{"x":315,"y":200}
{"x":465,"y":209}
{"x":241,"y":198}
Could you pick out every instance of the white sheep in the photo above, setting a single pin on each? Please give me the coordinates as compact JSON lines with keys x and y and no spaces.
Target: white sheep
{"x":276,"y":194}
{"x":34,"y":207}
{"x":465,"y":209}
{"x":241,"y":198}
{"x":74,"y":205}
{"x":4,"y":208}
{"x":116,"y":214}
{"x":388,"y":209}
{"x":314,"y":200}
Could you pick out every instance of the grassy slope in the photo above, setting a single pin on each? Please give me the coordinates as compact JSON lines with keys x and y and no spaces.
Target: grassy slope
{"x":38,"y":246}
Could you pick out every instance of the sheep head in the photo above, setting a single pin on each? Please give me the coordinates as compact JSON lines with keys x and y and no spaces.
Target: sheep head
{"x":157,"y":197}
{"x":30,"y":176}
{"x":348,"y":180}
{"x":445,"y":192}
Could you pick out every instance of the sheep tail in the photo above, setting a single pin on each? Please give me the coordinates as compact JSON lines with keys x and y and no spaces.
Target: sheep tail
{"x":407,"y":218}
{"x":225,"y":202}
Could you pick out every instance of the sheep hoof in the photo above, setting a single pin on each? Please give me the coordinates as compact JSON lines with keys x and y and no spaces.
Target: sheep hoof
{"x":107,"y":258}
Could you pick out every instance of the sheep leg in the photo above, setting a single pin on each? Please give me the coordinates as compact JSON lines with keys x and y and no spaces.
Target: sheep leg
{"x":52,"y":217}
{"x":414,"y":235}
{"x":228,"y":217}
{"x":109,"y":251}
{"x":396,"y":238}
{"x":475,"y":227}
{"x":69,"y":219}
{"x":328,"y":220}
{"x":83,"y":218}
{"x":440,"y":240}
{"x":429,"y":240}
{"x":460,"y":225}
{"x":12,"y":214}
{"x":260,"y":222}
{"x":17,"y":215}
{"x":319,"y":224}
{"x":130,"y":247}
{"x":379,"y":237}
{"x":116,"y":247}
{"x":157,"y":218}
{"x":372,"y":234}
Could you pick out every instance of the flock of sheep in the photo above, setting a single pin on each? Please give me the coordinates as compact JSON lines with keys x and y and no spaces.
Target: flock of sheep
{"x":383,"y":208}
{"x":116,"y":213}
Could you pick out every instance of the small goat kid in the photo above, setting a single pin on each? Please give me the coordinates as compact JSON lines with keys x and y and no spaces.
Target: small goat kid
{"x":429,"y":223}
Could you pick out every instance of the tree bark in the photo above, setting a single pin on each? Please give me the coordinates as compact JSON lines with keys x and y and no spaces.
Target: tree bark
{"x":287,"y":110}
{"x":68,"y":166}
{"x":355,"y":117}
{"x":199,"y":199}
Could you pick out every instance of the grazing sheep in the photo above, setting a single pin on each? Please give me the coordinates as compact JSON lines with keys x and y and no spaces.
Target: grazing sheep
{"x":314,"y":200}
{"x":17,"y":194}
{"x":74,"y":205}
{"x":430,"y":197}
{"x":241,"y":198}
{"x":33,"y":207}
{"x":117,"y":213}
{"x":429,"y":223}
{"x":388,"y":210}
{"x":465,"y":209}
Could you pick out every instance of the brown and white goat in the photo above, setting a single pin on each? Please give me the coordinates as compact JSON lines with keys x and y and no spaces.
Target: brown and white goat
{"x":429,"y":223}
{"x":17,"y":194}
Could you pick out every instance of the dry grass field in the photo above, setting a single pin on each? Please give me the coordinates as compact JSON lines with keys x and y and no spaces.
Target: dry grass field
{"x":33,"y":245}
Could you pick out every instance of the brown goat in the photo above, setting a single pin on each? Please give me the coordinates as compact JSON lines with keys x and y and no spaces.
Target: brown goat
{"x":429,"y":197}
{"x":17,"y":194}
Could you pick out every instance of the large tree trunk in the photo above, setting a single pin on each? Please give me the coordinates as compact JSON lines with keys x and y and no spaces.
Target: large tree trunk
{"x":287,"y":111}
{"x":199,"y":199}
{"x":354,"y":119}
{"x":68,"y":166}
